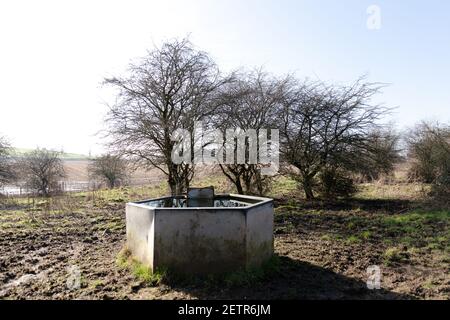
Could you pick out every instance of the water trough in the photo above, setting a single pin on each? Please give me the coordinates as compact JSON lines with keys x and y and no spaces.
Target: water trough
{"x":201,"y":233}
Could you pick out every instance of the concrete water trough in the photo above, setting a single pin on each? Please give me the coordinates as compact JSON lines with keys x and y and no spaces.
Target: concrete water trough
{"x":201,"y":233}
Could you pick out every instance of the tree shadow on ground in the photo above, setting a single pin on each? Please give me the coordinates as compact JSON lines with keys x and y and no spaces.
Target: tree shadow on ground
{"x":295,"y":279}
{"x":369,"y":205}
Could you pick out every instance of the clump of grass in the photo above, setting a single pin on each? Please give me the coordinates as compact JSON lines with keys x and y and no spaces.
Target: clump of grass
{"x":353,"y":239}
{"x":326,"y":237}
{"x":429,"y":284}
{"x":351,"y":225}
{"x":147,"y":275}
{"x":96,"y":284}
{"x":394,"y":255}
{"x":123,"y":258}
{"x":140,"y":271}
{"x":365,"y":235}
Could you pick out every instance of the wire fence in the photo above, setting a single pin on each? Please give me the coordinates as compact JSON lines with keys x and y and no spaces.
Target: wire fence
{"x":72,"y":186}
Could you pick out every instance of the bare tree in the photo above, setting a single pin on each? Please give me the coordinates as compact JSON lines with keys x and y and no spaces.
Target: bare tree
{"x":249,"y":103}
{"x":41,"y":171}
{"x":378,"y":157}
{"x":429,"y":150}
{"x":6,"y":167}
{"x":109,"y":168}
{"x":324,"y":126}
{"x":169,"y":89}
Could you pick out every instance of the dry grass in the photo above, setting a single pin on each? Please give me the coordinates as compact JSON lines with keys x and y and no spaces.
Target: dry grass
{"x":396,"y":191}
{"x":77,"y":170}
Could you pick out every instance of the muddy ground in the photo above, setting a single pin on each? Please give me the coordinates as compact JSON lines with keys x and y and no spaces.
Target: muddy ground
{"x":324,"y":252}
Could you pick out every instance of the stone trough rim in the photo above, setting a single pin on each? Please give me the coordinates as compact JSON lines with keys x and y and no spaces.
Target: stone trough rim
{"x":262,"y":201}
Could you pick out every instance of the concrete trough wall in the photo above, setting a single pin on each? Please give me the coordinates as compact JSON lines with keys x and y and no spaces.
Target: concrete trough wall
{"x":201,"y":240}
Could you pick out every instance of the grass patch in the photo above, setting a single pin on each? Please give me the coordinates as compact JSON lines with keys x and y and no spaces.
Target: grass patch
{"x":429,"y":284}
{"x":111,"y":226}
{"x":123,"y":258}
{"x":147,"y":275}
{"x":140,"y":271}
{"x":359,"y":237}
{"x":283,"y":186}
{"x":104,"y":197}
{"x":365,"y":235}
{"x":353,"y":239}
{"x":96,"y":284}
{"x":327,"y":237}
{"x":405,"y":191}
{"x":419,"y":228}
{"x":394,"y":256}
{"x":415,"y":229}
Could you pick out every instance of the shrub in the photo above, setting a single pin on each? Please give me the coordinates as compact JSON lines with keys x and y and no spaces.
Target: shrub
{"x":109,"y":168}
{"x":335,"y":183}
{"x":140,"y":271}
{"x":41,"y":170}
{"x":429,"y":147}
{"x":440,"y":190}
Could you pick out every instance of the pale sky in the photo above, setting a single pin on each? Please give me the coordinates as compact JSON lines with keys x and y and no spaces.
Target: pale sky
{"x":54,"y":54}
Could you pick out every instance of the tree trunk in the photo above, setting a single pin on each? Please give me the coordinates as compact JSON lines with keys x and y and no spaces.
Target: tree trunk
{"x":307,"y":187}
{"x":248,"y":183}
{"x":238,"y":185}
{"x":172,"y":183}
{"x":178,"y":180}
{"x":175,"y":188}
{"x":236,"y":180}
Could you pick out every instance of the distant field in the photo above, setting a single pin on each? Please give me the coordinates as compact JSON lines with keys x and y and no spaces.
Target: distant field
{"x":77,"y":170}
{"x":69,"y":156}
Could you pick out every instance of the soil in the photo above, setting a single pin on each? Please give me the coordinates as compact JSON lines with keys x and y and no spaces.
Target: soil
{"x":42,"y":249}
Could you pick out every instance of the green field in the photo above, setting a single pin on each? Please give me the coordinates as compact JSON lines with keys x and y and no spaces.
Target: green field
{"x":18,"y":152}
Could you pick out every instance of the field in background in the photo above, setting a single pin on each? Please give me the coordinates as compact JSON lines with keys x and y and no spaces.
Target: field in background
{"x":77,"y":178}
{"x":396,"y":188}
{"x":77,"y":171}
{"x":17,"y":152}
